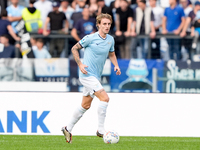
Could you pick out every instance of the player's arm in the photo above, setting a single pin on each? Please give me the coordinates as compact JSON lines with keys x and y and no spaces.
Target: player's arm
{"x":113,"y":59}
{"x":75,"y":53}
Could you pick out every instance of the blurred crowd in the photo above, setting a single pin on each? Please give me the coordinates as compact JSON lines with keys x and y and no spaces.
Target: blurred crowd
{"x":136,"y":26}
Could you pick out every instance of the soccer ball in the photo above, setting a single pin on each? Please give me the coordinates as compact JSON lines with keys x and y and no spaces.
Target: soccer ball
{"x":111,"y":137}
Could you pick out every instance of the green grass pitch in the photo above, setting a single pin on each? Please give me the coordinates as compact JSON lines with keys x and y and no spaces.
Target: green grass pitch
{"x":38,"y":142}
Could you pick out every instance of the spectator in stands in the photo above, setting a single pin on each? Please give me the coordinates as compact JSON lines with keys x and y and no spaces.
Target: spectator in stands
{"x":32,"y":18}
{"x":84,"y":26}
{"x":143,"y":19}
{"x":195,"y":32}
{"x":102,"y":8}
{"x":56,"y":20}
{"x":75,"y":17}
{"x":173,"y":22}
{"x":186,"y":7}
{"x":5,"y":26}
{"x":45,"y":7}
{"x":40,"y":51}
{"x":80,"y":4}
{"x":196,"y":24}
{"x":114,"y":5}
{"x":67,"y":10}
{"x":124,"y":17}
{"x":14,"y":15}
{"x":6,"y":50}
{"x":33,"y":43}
{"x":93,"y":7}
{"x":189,"y":21}
{"x":186,"y":43}
{"x":158,"y":15}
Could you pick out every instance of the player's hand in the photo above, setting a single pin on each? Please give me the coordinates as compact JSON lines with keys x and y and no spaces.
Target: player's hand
{"x":118,"y":70}
{"x":82,"y":68}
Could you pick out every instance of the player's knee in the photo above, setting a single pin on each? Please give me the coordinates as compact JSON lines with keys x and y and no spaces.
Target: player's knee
{"x":86,"y":106}
{"x":106,"y":99}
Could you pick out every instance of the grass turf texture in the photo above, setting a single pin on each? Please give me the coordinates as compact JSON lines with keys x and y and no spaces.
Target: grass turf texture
{"x":37,"y":142}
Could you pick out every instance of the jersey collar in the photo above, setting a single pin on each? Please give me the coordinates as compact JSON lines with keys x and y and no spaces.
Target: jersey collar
{"x":102,"y":37}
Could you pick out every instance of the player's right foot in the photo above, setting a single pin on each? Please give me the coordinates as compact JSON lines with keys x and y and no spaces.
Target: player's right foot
{"x":67,"y":134}
{"x":99,"y":134}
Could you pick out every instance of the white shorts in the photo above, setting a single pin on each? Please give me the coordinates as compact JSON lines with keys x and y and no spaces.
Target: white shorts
{"x":90,"y":85}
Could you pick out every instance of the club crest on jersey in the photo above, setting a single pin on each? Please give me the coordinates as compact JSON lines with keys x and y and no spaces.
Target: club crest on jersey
{"x":83,"y":39}
{"x":109,"y":42}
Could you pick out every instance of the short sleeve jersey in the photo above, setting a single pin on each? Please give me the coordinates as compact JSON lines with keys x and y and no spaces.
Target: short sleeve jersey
{"x":95,"y":53}
{"x":174,"y":17}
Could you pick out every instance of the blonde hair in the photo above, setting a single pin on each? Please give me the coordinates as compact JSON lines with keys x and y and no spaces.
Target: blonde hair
{"x":100,"y":17}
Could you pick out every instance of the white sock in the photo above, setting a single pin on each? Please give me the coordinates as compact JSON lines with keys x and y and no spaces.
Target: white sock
{"x":78,"y":113}
{"x":101,"y":116}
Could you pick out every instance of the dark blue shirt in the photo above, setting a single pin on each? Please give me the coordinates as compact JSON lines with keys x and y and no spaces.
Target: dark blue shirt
{"x":174,"y":17}
{"x":3,"y":26}
{"x":8,"y":52}
{"x":85,"y":27}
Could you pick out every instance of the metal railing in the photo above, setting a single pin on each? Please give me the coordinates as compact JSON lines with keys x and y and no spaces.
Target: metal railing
{"x":68,"y":36}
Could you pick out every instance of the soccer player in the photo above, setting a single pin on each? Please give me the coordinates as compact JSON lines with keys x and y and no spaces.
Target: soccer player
{"x":97,"y":46}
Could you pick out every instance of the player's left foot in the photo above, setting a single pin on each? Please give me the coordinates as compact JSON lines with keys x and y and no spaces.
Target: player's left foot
{"x":99,"y":134}
{"x":67,"y":134}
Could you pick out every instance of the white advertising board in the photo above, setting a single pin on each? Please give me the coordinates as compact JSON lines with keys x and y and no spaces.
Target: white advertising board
{"x":130,"y":114}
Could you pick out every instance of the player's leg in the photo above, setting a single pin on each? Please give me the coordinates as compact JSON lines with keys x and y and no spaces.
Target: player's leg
{"x":78,"y":113}
{"x":103,"y":104}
